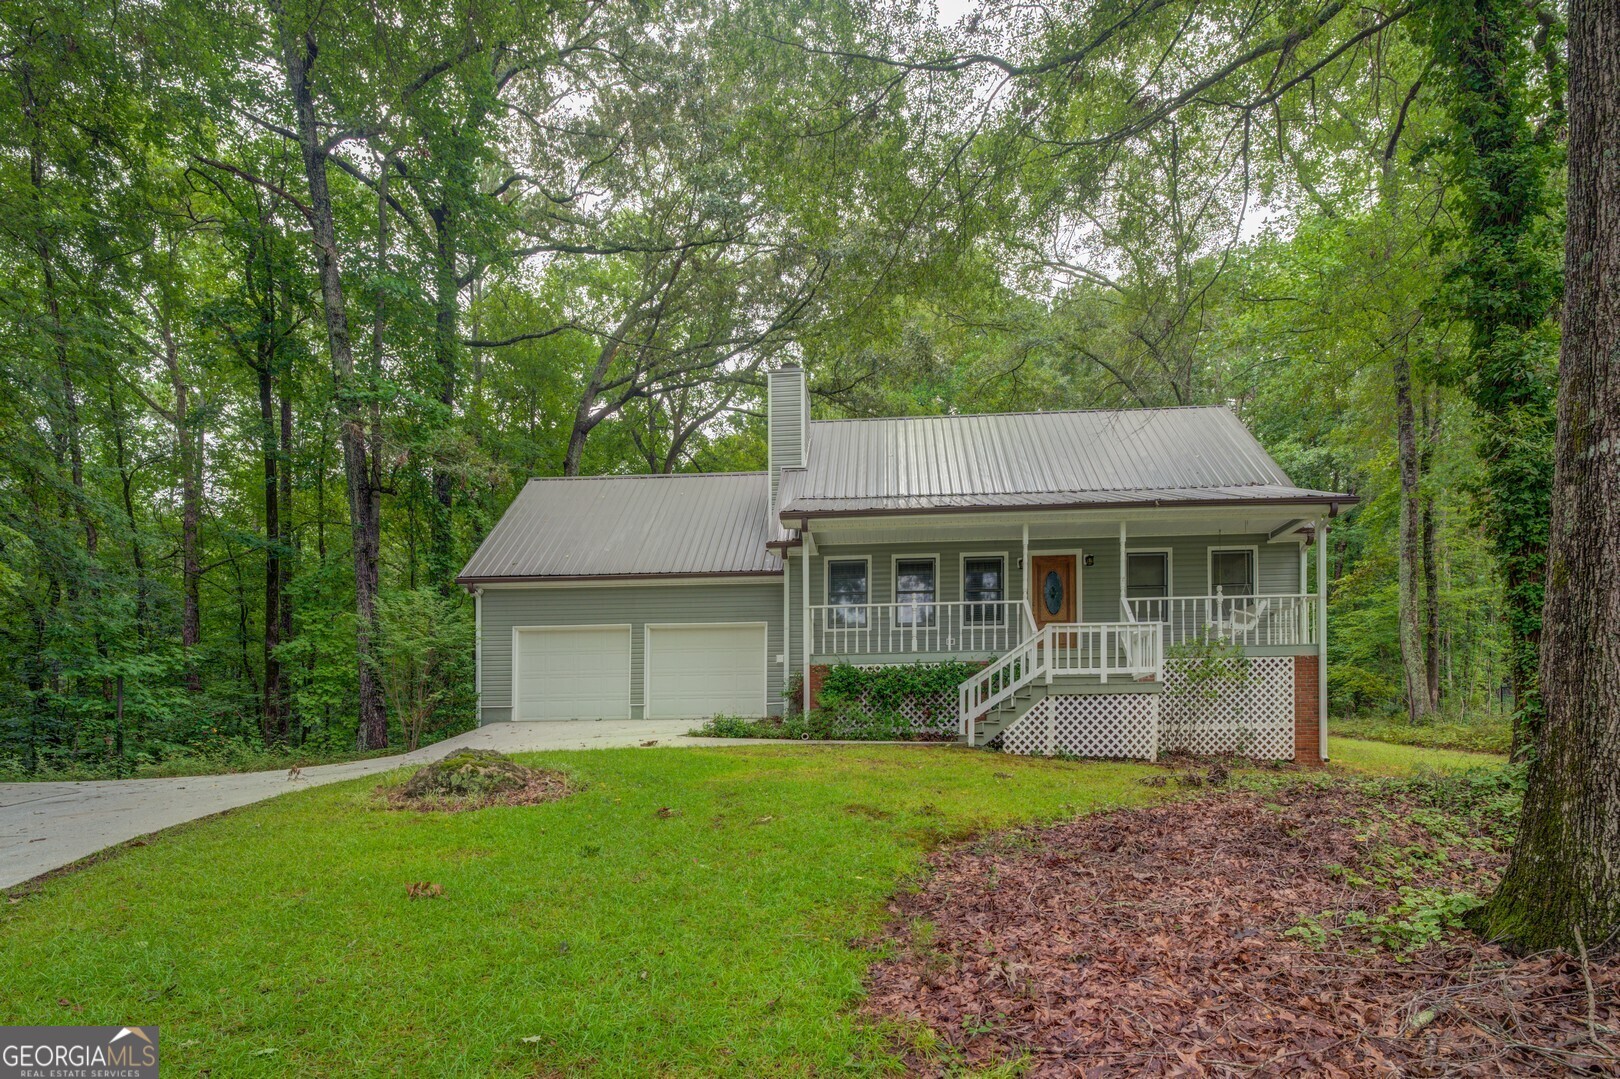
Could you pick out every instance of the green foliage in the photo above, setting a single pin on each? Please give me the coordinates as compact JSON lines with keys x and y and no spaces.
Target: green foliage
{"x":886,"y":689}
{"x":1420,"y":917}
{"x":1216,"y":667}
{"x":1476,"y":807}
{"x":750,"y":199}
{"x":1478,"y":732}
{"x":744,"y":727}
{"x":424,"y":659}
{"x":216,"y":756}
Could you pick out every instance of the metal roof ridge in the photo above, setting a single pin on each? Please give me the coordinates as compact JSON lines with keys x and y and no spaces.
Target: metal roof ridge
{"x":1029,"y":412}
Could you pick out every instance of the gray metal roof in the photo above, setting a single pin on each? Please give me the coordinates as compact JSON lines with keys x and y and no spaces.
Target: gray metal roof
{"x":1186,"y":456}
{"x":631,"y":526}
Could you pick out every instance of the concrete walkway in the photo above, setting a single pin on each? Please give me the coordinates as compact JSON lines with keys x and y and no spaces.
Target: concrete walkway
{"x":44,"y":826}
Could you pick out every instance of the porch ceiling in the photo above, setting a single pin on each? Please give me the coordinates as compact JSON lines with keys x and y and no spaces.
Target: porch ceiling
{"x":1046,"y":525}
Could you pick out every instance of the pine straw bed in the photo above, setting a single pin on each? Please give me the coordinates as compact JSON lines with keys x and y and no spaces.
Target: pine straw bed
{"x":1157,"y":941}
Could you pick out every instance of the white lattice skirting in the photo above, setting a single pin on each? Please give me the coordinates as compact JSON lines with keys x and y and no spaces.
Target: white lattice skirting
{"x":1089,"y":725}
{"x":1246,"y":708}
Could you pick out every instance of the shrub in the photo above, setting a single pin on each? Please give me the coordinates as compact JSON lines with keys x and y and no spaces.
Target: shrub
{"x":742,"y":727}
{"x":888,"y":689}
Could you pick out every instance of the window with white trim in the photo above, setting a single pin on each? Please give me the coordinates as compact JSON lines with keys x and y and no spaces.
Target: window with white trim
{"x":1232,"y":572}
{"x":1147,"y":575}
{"x":984,"y":588}
{"x":846,"y":593}
{"x":914,"y":591}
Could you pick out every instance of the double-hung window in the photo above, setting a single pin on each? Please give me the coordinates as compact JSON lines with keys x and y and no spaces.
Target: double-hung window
{"x":1147,"y":577}
{"x":914,"y":591}
{"x":1232,"y":571}
{"x":846,"y":593}
{"x":984,"y":588}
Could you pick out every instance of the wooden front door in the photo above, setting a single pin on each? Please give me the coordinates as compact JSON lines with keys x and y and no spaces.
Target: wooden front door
{"x":1052,"y":588}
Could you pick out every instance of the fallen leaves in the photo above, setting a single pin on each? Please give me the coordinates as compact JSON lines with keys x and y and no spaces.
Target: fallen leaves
{"x":1154,"y":941}
{"x":423,"y":889}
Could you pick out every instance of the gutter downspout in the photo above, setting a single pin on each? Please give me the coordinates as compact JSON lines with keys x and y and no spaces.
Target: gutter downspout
{"x":1321,"y":635}
{"x":478,"y":653}
{"x":787,"y":624}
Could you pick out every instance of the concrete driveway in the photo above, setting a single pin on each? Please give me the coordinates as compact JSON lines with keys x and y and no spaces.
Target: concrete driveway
{"x":44,"y":826}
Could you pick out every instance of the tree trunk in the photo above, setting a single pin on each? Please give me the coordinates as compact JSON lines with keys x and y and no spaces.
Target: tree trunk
{"x":191,"y":470}
{"x":298,"y":52}
{"x":1562,"y":885}
{"x":586,"y":414}
{"x":1431,"y":560}
{"x":1411,"y":616}
{"x":284,"y":503}
{"x":446,"y":347}
{"x":274,"y":719}
{"x":126,"y":484}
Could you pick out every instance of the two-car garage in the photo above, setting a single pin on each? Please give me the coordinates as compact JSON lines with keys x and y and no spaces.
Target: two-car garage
{"x":689,"y":671}
{"x":631,"y":597}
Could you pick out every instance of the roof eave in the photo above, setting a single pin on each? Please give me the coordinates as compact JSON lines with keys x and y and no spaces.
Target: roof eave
{"x":471,"y":582}
{"x":804,"y":516}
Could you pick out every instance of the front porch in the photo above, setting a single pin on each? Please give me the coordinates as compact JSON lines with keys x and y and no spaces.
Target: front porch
{"x":1081,"y":622}
{"x":917,"y":632}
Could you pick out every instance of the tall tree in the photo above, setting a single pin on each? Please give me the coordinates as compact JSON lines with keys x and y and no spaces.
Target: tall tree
{"x":1562,"y":884}
{"x":299,"y":52}
{"x":1499,"y":65}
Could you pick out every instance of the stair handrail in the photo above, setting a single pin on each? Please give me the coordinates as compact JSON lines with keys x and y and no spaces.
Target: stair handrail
{"x":999,"y":681}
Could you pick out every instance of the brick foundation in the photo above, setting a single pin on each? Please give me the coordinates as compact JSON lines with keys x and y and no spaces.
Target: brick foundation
{"x":1307,"y":716}
{"x":818,"y":675}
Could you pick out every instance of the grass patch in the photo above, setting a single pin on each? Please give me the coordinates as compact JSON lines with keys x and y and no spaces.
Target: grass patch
{"x":1479,"y":733}
{"x":687,"y":911}
{"x":1386,"y":758}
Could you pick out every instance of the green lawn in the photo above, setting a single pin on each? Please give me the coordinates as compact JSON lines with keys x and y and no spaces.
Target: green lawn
{"x":591,"y":935}
{"x":278,"y":939}
{"x":1385,"y":758}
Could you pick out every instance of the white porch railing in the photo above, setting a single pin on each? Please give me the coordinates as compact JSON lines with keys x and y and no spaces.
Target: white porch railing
{"x":1252,"y":621}
{"x":1104,"y":649}
{"x":1129,"y":649}
{"x":871,"y":629}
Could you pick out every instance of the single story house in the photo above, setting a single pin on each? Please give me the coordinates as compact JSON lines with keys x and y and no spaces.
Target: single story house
{"x":1125,"y":581}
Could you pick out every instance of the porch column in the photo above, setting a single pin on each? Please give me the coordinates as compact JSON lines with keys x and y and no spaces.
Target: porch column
{"x":1123,"y":609}
{"x":1321,"y":634}
{"x":805,"y":549}
{"x":1023,"y":578}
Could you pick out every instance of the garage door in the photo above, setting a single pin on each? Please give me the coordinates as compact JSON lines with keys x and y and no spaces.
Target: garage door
{"x":573,"y":672}
{"x":699,"y":671}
